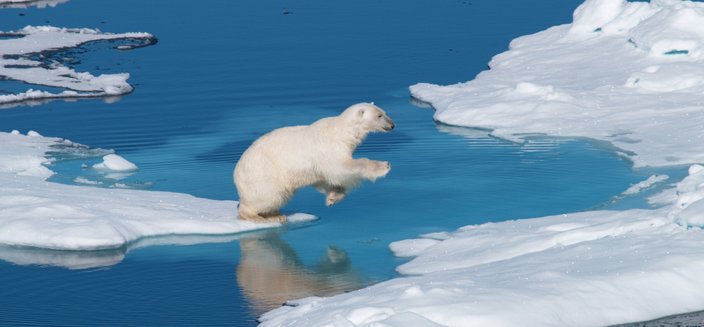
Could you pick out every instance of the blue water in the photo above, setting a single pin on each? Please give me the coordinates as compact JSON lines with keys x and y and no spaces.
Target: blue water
{"x":226,"y":72}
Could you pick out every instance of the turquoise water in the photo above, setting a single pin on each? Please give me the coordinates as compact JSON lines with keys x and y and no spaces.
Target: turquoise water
{"x":224,"y":73}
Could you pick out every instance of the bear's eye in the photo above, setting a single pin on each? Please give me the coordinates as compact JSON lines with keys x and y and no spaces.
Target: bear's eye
{"x":379,"y":115}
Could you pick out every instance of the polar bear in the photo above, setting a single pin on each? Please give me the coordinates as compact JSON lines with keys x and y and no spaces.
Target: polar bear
{"x":286,"y":159}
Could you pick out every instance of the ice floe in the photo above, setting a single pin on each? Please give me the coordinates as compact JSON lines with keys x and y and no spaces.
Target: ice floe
{"x":40,"y":214}
{"x":30,"y":3}
{"x":583,"y":269}
{"x":101,"y":258}
{"x":113,"y":162}
{"x":16,"y":63}
{"x":638,"y":187}
{"x":630,"y":73}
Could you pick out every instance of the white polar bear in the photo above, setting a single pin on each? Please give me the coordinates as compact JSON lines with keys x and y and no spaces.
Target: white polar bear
{"x":320,"y":154}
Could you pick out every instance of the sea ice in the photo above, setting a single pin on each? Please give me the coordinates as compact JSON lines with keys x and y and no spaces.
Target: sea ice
{"x":582,"y":269}
{"x":629,"y":73}
{"x":113,"y":162}
{"x":30,"y":3}
{"x":16,"y":64}
{"x":20,"y":255}
{"x":652,"y":180}
{"x":39,"y":214}
{"x":86,"y":181}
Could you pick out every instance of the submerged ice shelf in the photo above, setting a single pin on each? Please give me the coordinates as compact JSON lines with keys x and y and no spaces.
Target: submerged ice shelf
{"x":629,"y":73}
{"x":40,"y":214}
{"x":16,"y":64}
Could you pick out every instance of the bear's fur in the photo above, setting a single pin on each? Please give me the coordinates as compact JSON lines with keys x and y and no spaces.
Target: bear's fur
{"x":286,"y":159}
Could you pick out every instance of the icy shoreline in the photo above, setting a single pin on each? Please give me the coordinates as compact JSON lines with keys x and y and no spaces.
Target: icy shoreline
{"x":40,"y":214}
{"x":628,"y":73}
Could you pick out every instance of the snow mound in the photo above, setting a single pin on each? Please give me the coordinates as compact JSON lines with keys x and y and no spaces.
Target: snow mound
{"x":16,"y":64}
{"x":630,"y":73}
{"x":113,"y":162}
{"x":36,"y":213}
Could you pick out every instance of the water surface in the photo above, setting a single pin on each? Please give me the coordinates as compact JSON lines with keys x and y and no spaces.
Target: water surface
{"x":223,"y":74}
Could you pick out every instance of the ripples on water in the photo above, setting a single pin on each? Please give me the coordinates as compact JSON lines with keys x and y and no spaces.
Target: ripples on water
{"x":224,"y":74}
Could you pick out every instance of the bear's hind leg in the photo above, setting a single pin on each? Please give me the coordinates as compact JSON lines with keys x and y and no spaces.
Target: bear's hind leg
{"x":247,"y":213}
{"x":275,"y":217}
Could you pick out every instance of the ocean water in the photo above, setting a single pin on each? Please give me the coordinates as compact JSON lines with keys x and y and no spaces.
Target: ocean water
{"x":224,"y":73}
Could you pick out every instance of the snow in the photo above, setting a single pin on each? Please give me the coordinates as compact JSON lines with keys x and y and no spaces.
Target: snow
{"x":39,"y":214}
{"x":113,"y":162}
{"x":628,"y":73}
{"x":24,"y":155}
{"x":30,"y":3}
{"x":591,"y":268}
{"x":638,"y":187}
{"x":16,"y":64}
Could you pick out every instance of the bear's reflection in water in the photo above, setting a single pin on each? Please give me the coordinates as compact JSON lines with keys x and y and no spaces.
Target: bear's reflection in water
{"x":271,"y":273}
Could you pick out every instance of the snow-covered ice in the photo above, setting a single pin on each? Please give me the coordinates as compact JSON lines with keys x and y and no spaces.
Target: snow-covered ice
{"x":93,"y":259}
{"x":638,"y":187}
{"x":113,"y":162}
{"x":629,"y":73}
{"x":15,"y":63}
{"x":40,"y":214}
{"x":30,"y":3}
{"x":583,"y":269}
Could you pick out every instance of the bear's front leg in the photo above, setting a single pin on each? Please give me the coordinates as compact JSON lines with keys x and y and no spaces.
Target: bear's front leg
{"x":333,"y":194}
{"x":371,"y":169}
{"x":333,"y":197}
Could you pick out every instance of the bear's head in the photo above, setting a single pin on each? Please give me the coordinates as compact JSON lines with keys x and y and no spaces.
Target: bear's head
{"x":370,"y":118}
